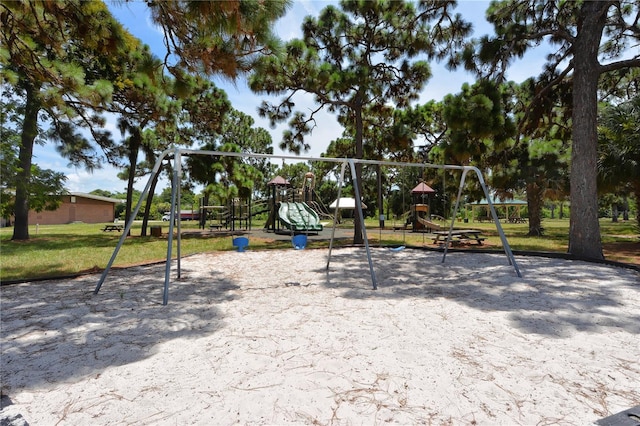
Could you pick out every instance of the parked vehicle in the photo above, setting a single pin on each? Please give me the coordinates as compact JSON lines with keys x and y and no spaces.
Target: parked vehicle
{"x":184,"y":215}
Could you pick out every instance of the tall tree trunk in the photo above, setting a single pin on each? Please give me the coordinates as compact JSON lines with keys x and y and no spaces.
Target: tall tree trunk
{"x":625,"y":212}
{"x":25,"y":156}
{"x":358,"y":225}
{"x":134,"y":148}
{"x":147,"y":206}
{"x":584,"y":228}
{"x":204,"y":212}
{"x":636,"y":193}
{"x":380,"y":199}
{"x":535,"y":194}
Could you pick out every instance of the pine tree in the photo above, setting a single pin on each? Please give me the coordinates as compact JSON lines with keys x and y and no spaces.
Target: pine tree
{"x":354,"y":58}
{"x":60,"y":80}
{"x":591,"y":39}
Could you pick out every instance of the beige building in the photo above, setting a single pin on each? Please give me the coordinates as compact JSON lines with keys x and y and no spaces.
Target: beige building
{"x":78,"y":207}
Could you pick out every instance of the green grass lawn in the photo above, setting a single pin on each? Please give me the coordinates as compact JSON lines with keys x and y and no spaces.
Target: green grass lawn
{"x":555,"y":239}
{"x":55,"y":250}
{"x":59,"y":250}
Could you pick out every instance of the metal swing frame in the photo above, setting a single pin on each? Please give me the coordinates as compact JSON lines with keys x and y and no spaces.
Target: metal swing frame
{"x":177,"y":154}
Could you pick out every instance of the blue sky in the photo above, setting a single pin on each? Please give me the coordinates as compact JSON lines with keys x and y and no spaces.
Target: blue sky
{"x":133,"y":15}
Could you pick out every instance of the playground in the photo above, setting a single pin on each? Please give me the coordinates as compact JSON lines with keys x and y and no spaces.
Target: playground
{"x":367,"y":334}
{"x":273,"y":337}
{"x":300,"y":210}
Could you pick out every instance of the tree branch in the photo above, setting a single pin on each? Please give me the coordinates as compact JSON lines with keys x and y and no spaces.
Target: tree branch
{"x":545,"y":90}
{"x":628,"y":63}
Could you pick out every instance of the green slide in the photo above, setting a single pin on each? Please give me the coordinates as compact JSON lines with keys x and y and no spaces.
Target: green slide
{"x":299,"y":217}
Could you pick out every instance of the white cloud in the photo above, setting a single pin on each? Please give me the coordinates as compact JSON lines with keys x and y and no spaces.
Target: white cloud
{"x":105,"y":179}
{"x":311,"y":7}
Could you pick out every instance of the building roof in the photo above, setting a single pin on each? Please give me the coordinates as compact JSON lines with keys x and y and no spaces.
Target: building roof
{"x":97,"y":197}
{"x":497,"y":202}
{"x":346,"y":203}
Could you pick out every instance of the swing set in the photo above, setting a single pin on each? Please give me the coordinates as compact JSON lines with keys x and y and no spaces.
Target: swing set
{"x":177,"y":153}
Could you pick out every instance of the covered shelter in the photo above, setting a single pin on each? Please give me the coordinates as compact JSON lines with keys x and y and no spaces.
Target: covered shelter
{"x":345,"y":203}
{"x":512,"y":209}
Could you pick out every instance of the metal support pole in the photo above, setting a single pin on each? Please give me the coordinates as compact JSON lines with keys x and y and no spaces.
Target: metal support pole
{"x":496,"y":220}
{"x":505,"y":244}
{"x":174,"y":196}
{"x":128,"y":225}
{"x":178,"y":166}
{"x":364,"y":228}
{"x":455,"y":212}
{"x":335,"y":217}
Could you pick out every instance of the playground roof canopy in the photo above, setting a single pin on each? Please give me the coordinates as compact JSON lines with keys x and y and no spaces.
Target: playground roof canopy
{"x":278,"y":181}
{"x":423,"y":188}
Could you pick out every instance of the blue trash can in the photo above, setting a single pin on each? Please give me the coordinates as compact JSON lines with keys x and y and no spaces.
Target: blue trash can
{"x":299,"y":242}
{"x":240,"y":243}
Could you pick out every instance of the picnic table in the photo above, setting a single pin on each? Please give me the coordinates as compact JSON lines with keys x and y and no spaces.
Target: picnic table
{"x":109,"y":228}
{"x":517,"y":220}
{"x":459,"y":236}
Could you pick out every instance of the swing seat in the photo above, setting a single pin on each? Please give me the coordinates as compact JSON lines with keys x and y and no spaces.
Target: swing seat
{"x":299,"y":242}
{"x":240,"y":243}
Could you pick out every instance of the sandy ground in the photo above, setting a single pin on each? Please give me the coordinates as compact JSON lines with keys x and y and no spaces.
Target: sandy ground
{"x":274,"y":338}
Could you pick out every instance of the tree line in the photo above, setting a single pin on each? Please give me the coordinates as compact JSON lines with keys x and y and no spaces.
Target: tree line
{"x":568,"y":133}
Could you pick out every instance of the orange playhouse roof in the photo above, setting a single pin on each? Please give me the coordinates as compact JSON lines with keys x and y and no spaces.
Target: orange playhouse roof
{"x":422,"y":188}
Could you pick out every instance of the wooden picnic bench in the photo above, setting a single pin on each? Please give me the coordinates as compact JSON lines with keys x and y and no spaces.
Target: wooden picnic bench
{"x":517,"y":220}
{"x":459,"y":236}
{"x":109,"y":228}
